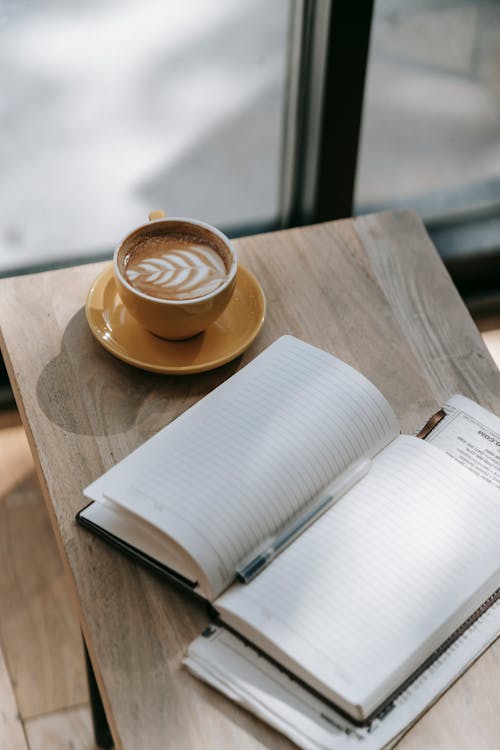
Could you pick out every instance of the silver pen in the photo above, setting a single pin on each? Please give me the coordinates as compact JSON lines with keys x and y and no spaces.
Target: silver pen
{"x":267,"y":551}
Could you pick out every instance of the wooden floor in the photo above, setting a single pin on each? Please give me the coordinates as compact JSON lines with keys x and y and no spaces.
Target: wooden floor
{"x":43,"y":691}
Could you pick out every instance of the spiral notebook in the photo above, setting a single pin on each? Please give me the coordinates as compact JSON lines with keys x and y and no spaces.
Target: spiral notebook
{"x":378,"y":548}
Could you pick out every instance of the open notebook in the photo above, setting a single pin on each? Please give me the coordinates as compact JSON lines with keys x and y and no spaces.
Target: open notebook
{"x":404,"y":551}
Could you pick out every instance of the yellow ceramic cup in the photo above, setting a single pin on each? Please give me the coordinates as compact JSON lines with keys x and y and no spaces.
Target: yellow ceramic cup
{"x":169,"y":318}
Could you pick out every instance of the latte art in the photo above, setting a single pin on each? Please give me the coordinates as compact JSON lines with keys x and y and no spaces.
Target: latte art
{"x":174,"y":268}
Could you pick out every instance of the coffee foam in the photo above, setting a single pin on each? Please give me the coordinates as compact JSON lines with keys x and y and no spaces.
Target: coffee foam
{"x":174,"y":267}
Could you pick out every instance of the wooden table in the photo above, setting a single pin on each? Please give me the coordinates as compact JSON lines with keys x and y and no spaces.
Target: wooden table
{"x":372,"y":291}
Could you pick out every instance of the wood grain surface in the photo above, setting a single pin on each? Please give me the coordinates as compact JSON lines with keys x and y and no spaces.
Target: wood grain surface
{"x":11,"y":729}
{"x":39,"y":630}
{"x":373,"y":292}
{"x":63,"y":730}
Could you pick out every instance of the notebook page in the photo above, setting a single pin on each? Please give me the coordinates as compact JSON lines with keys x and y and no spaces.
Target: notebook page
{"x":140,"y":536}
{"x":232,"y":470}
{"x":381,"y":580}
{"x":227,"y":664}
{"x":471,"y":435}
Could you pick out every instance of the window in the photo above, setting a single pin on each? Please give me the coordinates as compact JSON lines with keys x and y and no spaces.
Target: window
{"x":111,"y":109}
{"x":430,"y":136}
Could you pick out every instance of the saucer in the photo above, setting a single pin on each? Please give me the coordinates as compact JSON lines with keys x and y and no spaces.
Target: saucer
{"x":228,"y":337}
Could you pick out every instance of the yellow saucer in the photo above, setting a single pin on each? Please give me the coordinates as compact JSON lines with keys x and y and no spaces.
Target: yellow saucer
{"x":224,"y":340}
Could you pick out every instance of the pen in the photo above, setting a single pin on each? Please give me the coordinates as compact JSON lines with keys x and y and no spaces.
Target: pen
{"x":332,"y":493}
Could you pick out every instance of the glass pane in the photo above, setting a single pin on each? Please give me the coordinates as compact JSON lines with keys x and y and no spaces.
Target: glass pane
{"x":110,"y":109}
{"x":430,"y":136}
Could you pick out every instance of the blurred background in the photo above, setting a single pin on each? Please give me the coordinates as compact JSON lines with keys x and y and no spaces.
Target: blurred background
{"x":252,"y":115}
{"x":111,"y":109}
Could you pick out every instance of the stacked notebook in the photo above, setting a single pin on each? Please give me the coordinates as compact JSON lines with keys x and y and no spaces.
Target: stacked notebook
{"x":341,"y":559}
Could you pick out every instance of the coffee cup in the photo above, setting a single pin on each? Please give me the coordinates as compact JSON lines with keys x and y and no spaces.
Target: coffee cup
{"x":175,"y":276}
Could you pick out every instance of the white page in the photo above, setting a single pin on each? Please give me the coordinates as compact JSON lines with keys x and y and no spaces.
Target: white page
{"x":359,"y":601}
{"x":471,"y":435}
{"x":239,"y":464}
{"x":227,"y":664}
{"x":141,"y":536}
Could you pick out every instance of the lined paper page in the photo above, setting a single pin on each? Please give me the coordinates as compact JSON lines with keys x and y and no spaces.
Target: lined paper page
{"x":381,"y":580}
{"x":227,"y":664}
{"x":232,"y":470}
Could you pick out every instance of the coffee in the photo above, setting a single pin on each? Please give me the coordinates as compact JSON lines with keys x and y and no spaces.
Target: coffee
{"x":174,"y":267}
{"x":175,"y":276}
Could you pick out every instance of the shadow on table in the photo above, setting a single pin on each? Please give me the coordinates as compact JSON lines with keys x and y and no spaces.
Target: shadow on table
{"x":87,"y":391}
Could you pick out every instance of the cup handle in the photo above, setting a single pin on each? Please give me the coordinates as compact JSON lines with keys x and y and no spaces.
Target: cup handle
{"x":159,"y":214}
